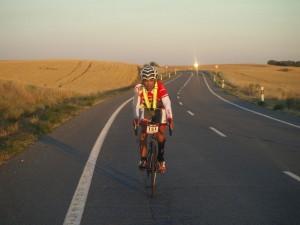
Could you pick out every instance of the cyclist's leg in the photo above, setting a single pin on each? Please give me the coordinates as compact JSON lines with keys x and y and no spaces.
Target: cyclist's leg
{"x":143,"y":147}
{"x":143,"y":144}
{"x":161,"y":143}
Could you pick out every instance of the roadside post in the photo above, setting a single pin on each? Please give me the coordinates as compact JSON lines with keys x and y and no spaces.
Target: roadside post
{"x":223,"y":83}
{"x":262,"y":94}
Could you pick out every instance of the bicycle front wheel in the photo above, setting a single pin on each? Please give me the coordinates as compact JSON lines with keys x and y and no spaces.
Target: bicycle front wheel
{"x":154,"y":148}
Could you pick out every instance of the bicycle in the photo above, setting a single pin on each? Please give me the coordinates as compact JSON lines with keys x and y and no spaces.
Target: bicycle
{"x":151,"y":160}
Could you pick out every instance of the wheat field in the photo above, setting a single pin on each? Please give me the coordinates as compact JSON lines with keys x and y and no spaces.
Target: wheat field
{"x":279,"y":82}
{"x":81,"y":76}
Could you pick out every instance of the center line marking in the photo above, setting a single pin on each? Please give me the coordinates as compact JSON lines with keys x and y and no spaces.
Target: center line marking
{"x":189,"y":112}
{"x":218,"y":132}
{"x":180,"y":103}
{"x":292,"y":175}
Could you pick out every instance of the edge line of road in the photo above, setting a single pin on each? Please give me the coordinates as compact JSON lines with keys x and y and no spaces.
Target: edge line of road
{"x":77,"y":205}
{"x":249,"y":110}
{"x":76,"y":208}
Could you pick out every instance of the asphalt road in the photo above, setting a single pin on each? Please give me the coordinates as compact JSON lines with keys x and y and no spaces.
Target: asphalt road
{"x":228,"y":162}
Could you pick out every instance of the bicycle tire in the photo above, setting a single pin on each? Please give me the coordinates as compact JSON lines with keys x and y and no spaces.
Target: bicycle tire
{"x":154,"y":147}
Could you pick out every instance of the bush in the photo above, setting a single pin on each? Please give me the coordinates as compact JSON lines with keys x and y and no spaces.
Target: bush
{"x":261,"y":103}
{"x":289,"y":102}
{"x":292,"y":103}
{"x":278,"y":107}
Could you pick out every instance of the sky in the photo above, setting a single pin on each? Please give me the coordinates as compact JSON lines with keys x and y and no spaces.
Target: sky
{"x":176,"y":32}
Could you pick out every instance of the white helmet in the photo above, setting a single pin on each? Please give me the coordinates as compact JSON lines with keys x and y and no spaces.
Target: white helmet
{"x":148,"y":73}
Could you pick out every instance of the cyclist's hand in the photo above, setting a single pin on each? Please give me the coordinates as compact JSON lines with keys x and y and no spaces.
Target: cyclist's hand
{"x":136,"y":123}
{"x":171,"y":126}
{"x":171,"y":123}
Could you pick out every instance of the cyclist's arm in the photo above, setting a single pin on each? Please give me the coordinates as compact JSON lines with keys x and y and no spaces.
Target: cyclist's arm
{"x":167,"y":104}
{"x":136,"y":102}
{"x":165,"y":100}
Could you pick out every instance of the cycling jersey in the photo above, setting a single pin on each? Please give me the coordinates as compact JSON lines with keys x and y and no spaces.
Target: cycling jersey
{"x":144,"y":100}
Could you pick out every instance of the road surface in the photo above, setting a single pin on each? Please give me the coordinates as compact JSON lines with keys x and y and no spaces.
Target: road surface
{"x":228,"y":162}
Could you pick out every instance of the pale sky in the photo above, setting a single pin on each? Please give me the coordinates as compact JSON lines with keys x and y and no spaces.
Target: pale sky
{"x":169,"y":32}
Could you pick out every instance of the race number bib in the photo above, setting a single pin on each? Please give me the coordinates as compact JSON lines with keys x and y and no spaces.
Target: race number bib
{"x":151,"y":129}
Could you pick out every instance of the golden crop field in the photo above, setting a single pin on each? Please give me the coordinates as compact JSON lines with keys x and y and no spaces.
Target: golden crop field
{"x":82,"y":76}
{"x":279,"y":82}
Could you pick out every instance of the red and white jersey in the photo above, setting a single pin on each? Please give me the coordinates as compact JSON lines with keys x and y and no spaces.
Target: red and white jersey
{"x":163,"y":102}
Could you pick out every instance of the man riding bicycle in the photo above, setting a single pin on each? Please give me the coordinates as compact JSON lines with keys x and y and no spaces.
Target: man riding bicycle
{"x":151,"y":103}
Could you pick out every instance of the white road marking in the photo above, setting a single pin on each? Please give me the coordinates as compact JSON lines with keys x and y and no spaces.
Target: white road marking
{"x":294,"y":176}
{"x":218,"y":132}
{"x":76,"y":208}
{"x":249,"y":110}
{"x":77,"y":205}
{"x":189,"y":112}
{"x":178,"y":93}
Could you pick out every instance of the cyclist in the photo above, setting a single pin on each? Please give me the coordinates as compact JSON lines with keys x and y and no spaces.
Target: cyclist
{"x":151,"y":102}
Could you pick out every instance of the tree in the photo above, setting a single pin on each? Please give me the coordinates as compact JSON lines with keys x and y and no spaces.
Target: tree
{"x":284,"y":63}
{"x":152,"y":63}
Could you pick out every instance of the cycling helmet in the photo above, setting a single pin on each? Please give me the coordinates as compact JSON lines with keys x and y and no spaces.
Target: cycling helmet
{"x":148,"y":73}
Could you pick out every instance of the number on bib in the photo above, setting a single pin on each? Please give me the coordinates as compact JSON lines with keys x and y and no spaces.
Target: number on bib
{"x":151,"y":129}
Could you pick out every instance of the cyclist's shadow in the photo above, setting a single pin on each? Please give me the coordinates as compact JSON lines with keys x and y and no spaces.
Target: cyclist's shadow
{"x":123,"y":177}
